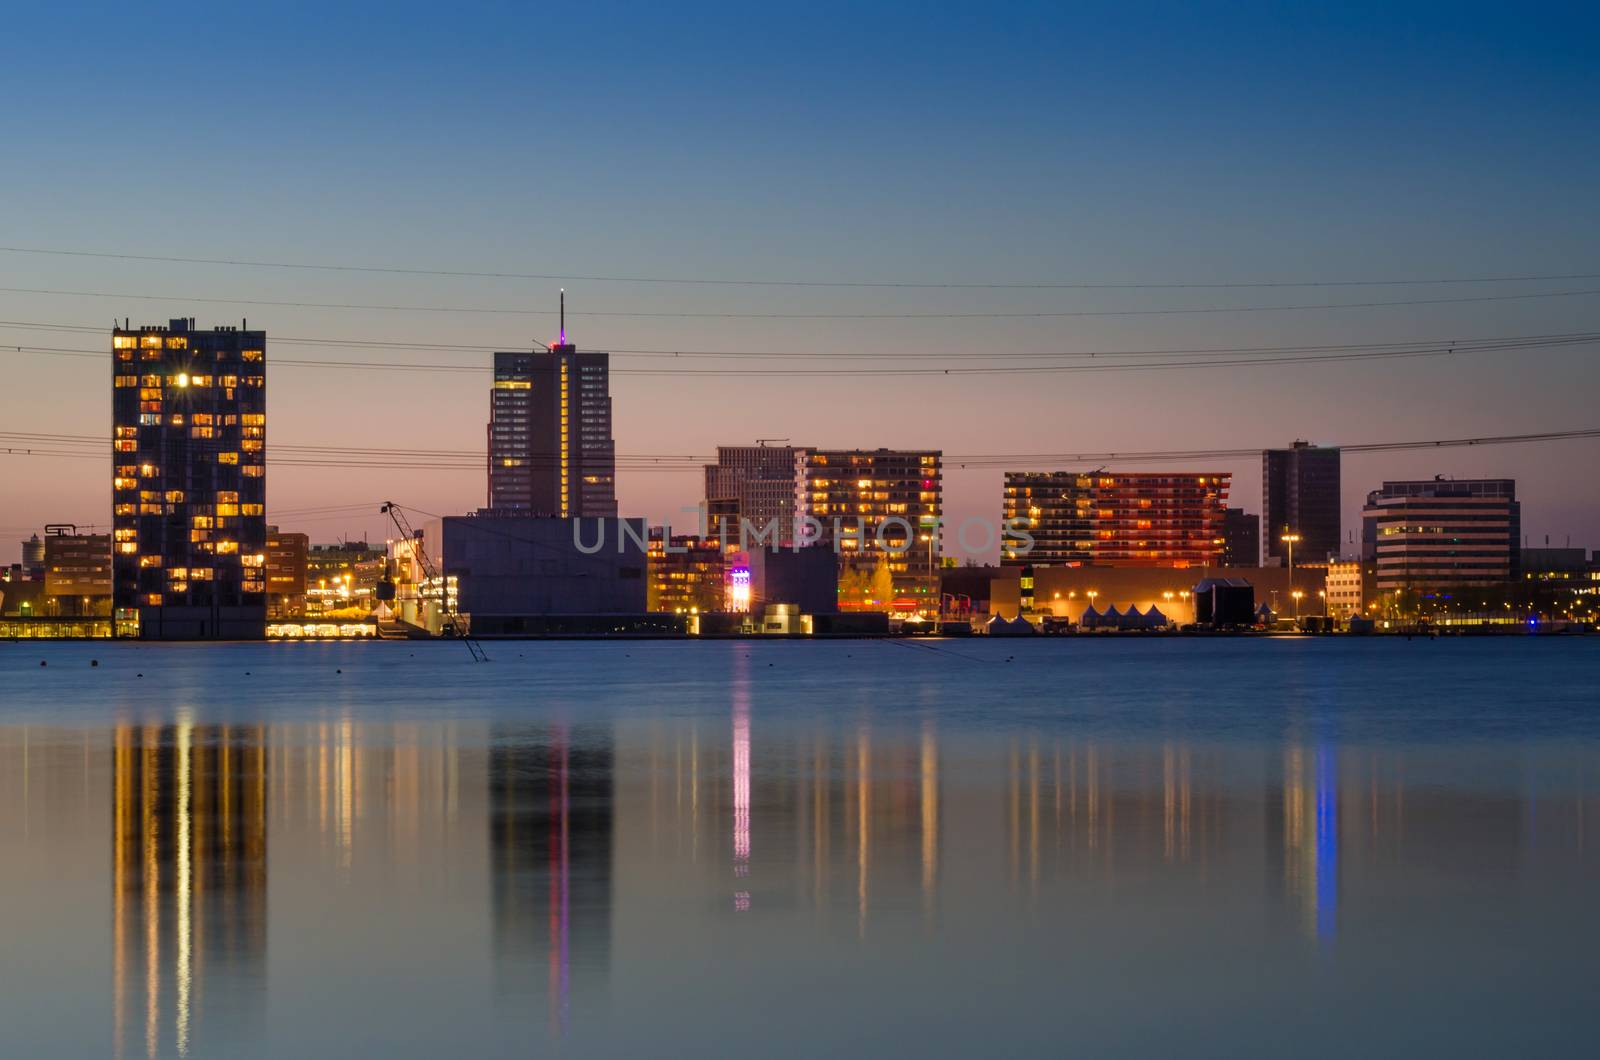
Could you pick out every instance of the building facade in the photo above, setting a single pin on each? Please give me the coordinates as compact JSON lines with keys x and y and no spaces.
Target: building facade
{"x":1116,"y":519}
{"x":1442,"y":534}
{"x":189,"y":481}
{"x":1345,"y":586}
{"x":77,"y":573}
{"x":1300,"y":494}
{"x":1241,"y":538}
{"x":503,"y":569}
{"x":286,"y":573}
{"x":754,"y":483}
{"x":875,"y":508}
{"x":687,"y":577}
{"x":550,"y":447}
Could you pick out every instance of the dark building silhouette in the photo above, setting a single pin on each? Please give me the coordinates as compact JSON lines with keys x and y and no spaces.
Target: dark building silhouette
{"x":1300,"y":493}
{"x":1241,"y":538}
{"x":189,"y":482}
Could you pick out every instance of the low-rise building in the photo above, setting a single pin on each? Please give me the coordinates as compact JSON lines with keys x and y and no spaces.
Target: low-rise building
{"x":286,"y":573}
{"x":1346,"y":586}
{"x":77,"y":574}
{"x":1440,"y":535}
{"x":504,"y":571}
{"x":686,"y":574}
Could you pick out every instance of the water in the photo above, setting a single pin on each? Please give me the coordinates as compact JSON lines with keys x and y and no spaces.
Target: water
{"x":1106,"y":847}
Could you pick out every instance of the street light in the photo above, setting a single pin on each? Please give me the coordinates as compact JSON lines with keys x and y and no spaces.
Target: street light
{"x":1297,"y":594}
{"x":1289,"y":538}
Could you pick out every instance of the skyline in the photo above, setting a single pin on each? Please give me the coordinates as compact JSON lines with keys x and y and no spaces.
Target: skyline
{"x":1139,"y":149}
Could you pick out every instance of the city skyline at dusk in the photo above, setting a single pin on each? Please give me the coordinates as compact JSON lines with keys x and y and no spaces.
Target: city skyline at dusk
{"x":904,"y":151}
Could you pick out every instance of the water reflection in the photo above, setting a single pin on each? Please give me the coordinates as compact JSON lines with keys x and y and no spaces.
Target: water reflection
{"x":551,"y":802}
{"x":188,"y":879}
{"x":505,"y":864}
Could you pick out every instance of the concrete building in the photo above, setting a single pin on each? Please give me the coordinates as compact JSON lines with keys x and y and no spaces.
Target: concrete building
{"x":755,"y":483}
{"x":550,"y":445}
{"x":1116,"y":519}
{"x":1300,"y":494}
{"x":807,"y":578}
{"x":1348,"y":586}
{"x":286,"y":573}
{"x":189,"y":482}
{"x":33,"y":559}
{"x":77,"y":572}
{"x":687,"y":577}
{"x":875,"y":506}
{"x":506,"y":570}
{"x":1441,"y":534}
{"x":1241,"y":538}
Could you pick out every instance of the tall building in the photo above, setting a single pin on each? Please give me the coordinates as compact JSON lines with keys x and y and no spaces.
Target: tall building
{"x":1442,"y":534}
{"x":1116,"y":519}
{"x":550,"y":447}
{"x":1241,"y":538}
{"x":755,"y":483}
{"x":1300,"y":493}
{"x":189,"y":415}
{"x":876,"y":507}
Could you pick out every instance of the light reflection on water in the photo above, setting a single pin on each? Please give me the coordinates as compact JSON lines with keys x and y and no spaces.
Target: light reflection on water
{"x":678,"y":880}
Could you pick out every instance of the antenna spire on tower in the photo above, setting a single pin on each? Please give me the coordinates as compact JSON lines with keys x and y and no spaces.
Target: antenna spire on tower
{"x":563,"y":339}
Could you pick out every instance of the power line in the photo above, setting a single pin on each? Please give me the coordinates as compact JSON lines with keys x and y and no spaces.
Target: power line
{"x":1010,"y":460}
{"x":1044,"y":285}
{"x":1251,"y":359}
{"x":683,"y":315}
{"x":829,"y":354}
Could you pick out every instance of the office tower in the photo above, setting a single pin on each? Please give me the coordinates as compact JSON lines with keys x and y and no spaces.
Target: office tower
{"x":550,"y":446}
{"x":1241,"y":538}
{"x":1300,"y":494}
{"x":754,"y":483}
{"x":189,"y":481}
{"x":1116,"y":519}
{"x":1441,"y":534}
{"x":876,"y":508}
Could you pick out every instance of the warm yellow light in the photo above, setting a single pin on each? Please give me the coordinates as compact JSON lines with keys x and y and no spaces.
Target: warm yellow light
{"x":1290,"y":538}
{"x":183,"y":379}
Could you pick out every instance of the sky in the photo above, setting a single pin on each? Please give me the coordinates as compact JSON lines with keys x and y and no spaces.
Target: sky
{"x":881,"y":144}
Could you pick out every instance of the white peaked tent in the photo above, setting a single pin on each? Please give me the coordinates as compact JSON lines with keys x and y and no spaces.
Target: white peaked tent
{"x":1154,"y":619}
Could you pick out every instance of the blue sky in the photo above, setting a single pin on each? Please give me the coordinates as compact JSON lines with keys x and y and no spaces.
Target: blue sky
{"x":1168,"y":143}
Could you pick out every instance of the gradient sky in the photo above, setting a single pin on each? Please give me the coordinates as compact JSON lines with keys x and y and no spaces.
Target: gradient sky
{"x":902,"y":142}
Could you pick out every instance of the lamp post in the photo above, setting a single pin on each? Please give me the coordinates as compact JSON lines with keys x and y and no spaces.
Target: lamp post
{"x":1289,"y":538}
{"x":1297,"y":594}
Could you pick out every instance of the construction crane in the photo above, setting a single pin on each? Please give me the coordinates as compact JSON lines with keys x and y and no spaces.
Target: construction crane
{"x":452,"y":624}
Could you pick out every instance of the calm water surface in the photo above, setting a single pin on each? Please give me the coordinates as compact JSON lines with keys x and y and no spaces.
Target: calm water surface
{"x":1227,"y":847}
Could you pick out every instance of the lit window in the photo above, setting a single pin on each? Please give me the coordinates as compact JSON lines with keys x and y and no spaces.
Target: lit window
{"x":153,"y":599}
{"x":227,"y":458}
